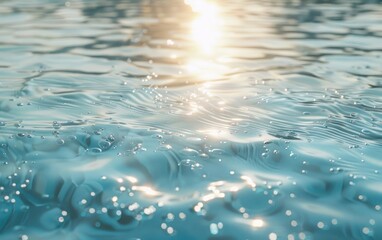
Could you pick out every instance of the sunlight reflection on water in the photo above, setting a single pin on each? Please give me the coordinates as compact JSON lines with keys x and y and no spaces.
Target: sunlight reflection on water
{"x":193,"y":119}
{"x":206,"y":27}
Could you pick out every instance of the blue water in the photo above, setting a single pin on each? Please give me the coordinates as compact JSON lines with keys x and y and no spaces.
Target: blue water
{"x":196,"y":119}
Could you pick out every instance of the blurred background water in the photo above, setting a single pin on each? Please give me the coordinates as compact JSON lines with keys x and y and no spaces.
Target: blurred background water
{"x":195,"y":119}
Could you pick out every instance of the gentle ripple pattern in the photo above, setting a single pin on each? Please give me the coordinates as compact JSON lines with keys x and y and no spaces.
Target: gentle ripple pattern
{"x":195,"y":119}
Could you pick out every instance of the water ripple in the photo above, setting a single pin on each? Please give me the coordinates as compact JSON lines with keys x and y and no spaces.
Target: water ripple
{"x":190,"y":119}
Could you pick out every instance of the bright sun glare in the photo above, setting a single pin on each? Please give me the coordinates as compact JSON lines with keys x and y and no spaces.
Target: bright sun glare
{"x":206,"y":33}
{"x":205,"y":29}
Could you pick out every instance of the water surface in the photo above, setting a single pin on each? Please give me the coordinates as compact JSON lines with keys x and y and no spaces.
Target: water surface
{"x":139,"y":119}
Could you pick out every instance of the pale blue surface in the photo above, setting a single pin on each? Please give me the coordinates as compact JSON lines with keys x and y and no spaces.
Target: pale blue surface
{"x":115,"y":123}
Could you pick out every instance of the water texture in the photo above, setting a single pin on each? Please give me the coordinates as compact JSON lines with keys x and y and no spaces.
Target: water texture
{"x":196,"y":119}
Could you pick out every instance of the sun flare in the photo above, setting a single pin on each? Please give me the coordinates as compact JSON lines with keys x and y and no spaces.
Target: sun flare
{"x":206,"y":27}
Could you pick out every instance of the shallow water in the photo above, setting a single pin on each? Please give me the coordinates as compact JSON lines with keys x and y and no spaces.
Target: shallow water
{"x":200,"y":119}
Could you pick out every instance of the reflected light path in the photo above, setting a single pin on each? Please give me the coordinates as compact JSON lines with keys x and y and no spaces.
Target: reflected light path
{"x":206,"y":33}
{"x":205,"y":29}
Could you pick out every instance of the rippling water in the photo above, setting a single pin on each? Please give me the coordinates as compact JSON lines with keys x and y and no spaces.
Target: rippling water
{"x":190,"y":119}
